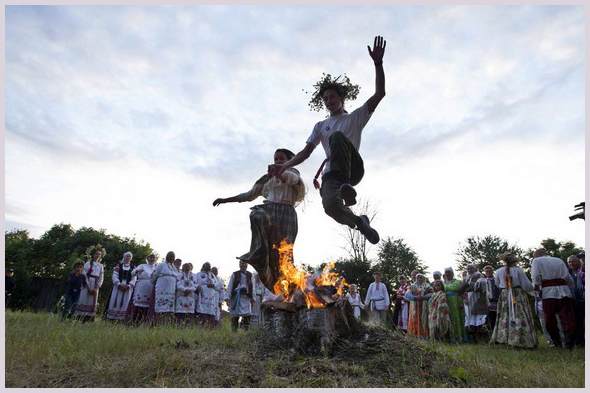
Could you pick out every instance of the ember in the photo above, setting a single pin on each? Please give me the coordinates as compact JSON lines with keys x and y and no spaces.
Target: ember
{"x":317,"y":290}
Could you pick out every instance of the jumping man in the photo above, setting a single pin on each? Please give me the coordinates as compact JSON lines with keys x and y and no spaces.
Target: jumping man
{"x":340,"y":135}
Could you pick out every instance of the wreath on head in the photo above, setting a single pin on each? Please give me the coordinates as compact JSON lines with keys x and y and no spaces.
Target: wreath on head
{"x":92,"y":249}
{"x":343,"y":87}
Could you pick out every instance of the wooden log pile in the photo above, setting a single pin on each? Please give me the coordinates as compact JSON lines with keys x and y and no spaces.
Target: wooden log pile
{"x":310,"y":331}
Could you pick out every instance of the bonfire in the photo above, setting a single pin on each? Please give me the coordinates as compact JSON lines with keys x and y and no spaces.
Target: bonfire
{"x":297,"y":286}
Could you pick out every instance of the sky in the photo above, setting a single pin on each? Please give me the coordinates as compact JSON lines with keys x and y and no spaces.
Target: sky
{"x":135,"y":118}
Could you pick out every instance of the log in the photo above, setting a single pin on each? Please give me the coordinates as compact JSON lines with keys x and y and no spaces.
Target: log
{"x":309,"y":331}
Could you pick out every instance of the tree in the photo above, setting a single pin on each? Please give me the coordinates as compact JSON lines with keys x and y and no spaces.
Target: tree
{"x":395,"y":259}
{"x":356,"y":243}
{"x":557,"y":249}
{"x":485,"y":251}
{"x":53,"y":254}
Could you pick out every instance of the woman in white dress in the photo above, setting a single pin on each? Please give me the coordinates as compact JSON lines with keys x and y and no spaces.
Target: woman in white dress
{"x":143,"y":292}
{"x":164,"y":280}
{"x":354,"y":298}
{"x":123,"y":283}
{"x":185,"y":294}
{"x":94,"y":272}
{"x":208,"y":296}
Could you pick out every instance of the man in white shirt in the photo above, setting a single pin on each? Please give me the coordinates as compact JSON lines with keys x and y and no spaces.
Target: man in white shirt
{"x":340,"y":135}
{"x":550,"y":274}
{"x":377,"y":299}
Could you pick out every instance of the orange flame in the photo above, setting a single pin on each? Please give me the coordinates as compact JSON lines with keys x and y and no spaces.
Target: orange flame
{"x":292,"y":278}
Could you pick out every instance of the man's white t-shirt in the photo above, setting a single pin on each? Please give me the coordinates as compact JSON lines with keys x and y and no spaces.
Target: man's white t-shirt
{"x":350,"y":124}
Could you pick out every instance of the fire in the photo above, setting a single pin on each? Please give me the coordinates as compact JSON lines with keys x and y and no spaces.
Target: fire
{"x":293,"y":281}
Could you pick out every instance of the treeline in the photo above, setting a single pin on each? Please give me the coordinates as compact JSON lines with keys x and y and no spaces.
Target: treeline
{"x":41,"y":265}
{"x":395,"y":258}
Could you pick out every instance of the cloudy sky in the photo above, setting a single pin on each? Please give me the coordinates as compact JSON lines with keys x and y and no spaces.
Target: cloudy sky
{"x":134,"y":119}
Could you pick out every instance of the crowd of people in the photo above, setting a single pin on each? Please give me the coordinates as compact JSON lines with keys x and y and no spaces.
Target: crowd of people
{"x":497,"y":306}
{"x":166,"y":292}
{"x":493,"y":306}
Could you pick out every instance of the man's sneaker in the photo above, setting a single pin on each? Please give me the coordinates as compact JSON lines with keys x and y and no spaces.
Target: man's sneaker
{"x":365,"y":228}
{"x":348,"y":193}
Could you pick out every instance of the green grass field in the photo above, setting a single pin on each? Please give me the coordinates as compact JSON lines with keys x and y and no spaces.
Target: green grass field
{"x":41,"y":351}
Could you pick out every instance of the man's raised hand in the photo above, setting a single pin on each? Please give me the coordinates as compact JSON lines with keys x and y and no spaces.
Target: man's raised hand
{"x":378,"y":49}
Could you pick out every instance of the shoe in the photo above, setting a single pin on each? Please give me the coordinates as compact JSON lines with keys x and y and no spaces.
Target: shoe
{"x":365,"y":228}
{"x":348,"y":193}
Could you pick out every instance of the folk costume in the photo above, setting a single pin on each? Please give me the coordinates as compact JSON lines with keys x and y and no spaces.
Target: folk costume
{"x":439,"y":320}
{"x":456,"y":310}
{"x":164,"y":280}
{"x":121,"y":294}
{"x":207,"y":300}
{"x":377,"y":301}
{"x":272,"y":221}
{"x":514,"y":321}
{"x":418,"y":311}
{"x":357,"y":304}
{"x":185,"y":304}
{"x":241,"y":289}
{"x":552,"y":276}
{"x":88,"y":302}
{"x":143,"y":293}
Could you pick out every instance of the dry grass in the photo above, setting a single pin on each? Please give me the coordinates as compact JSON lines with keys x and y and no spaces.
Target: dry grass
{"x":41,"y":351}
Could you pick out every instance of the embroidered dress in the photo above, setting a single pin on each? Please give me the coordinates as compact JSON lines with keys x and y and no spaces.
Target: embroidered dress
{"x":439,"y":321}
{"x":185,"y":304}
{"x":142,"y":294}
{"x":356,"y":303}
{"x":271,"y":222}
{"x":418,"y":313}
{"x":88,"y":303}
{"x":164,"y":278}
{"x":403,"y":306}
{"x":456,"y":311}
{"x":120,"y":298}
{"x":207,"y":300}
{"x":477,"y":304}
{"x":514,"y":322}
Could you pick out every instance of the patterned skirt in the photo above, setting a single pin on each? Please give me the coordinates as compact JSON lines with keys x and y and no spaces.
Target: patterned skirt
{"x":270,"y":223}
{"x":514,"y":322}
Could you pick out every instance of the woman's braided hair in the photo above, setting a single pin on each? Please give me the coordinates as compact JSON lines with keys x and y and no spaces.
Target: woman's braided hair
{"x":343,"y":87}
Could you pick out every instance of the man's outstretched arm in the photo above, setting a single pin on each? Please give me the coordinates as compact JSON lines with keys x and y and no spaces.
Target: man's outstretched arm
{"x":296,"y":160}
{"x":377,"y":56}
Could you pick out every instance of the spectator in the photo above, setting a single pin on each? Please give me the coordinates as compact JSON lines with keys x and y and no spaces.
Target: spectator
{"x":579,"y":286}
{"x":73,"y":286}
{"x":94,"y":272}
{"x":123,"y":284}
{"x":144,"y":289}
{"x":439,"y":321}
{"x":402,"y":305}
{"x":377,"y":300}
{"x":453,"y":288}
{"x":418,"y":296}
{"x":164,"y":280}
{"x":514,"y":322}
{"x":9,"y":285}
{"x":492,"y":294}
{"x":240,"y":286}
{"x":551,"y":276}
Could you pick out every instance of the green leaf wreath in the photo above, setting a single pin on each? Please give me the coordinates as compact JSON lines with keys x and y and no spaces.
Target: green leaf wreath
{"x":341,"y":85}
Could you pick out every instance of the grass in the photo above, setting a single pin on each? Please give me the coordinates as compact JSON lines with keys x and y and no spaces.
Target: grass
{"x":500,"y":366}
{"x":41,"y":351}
